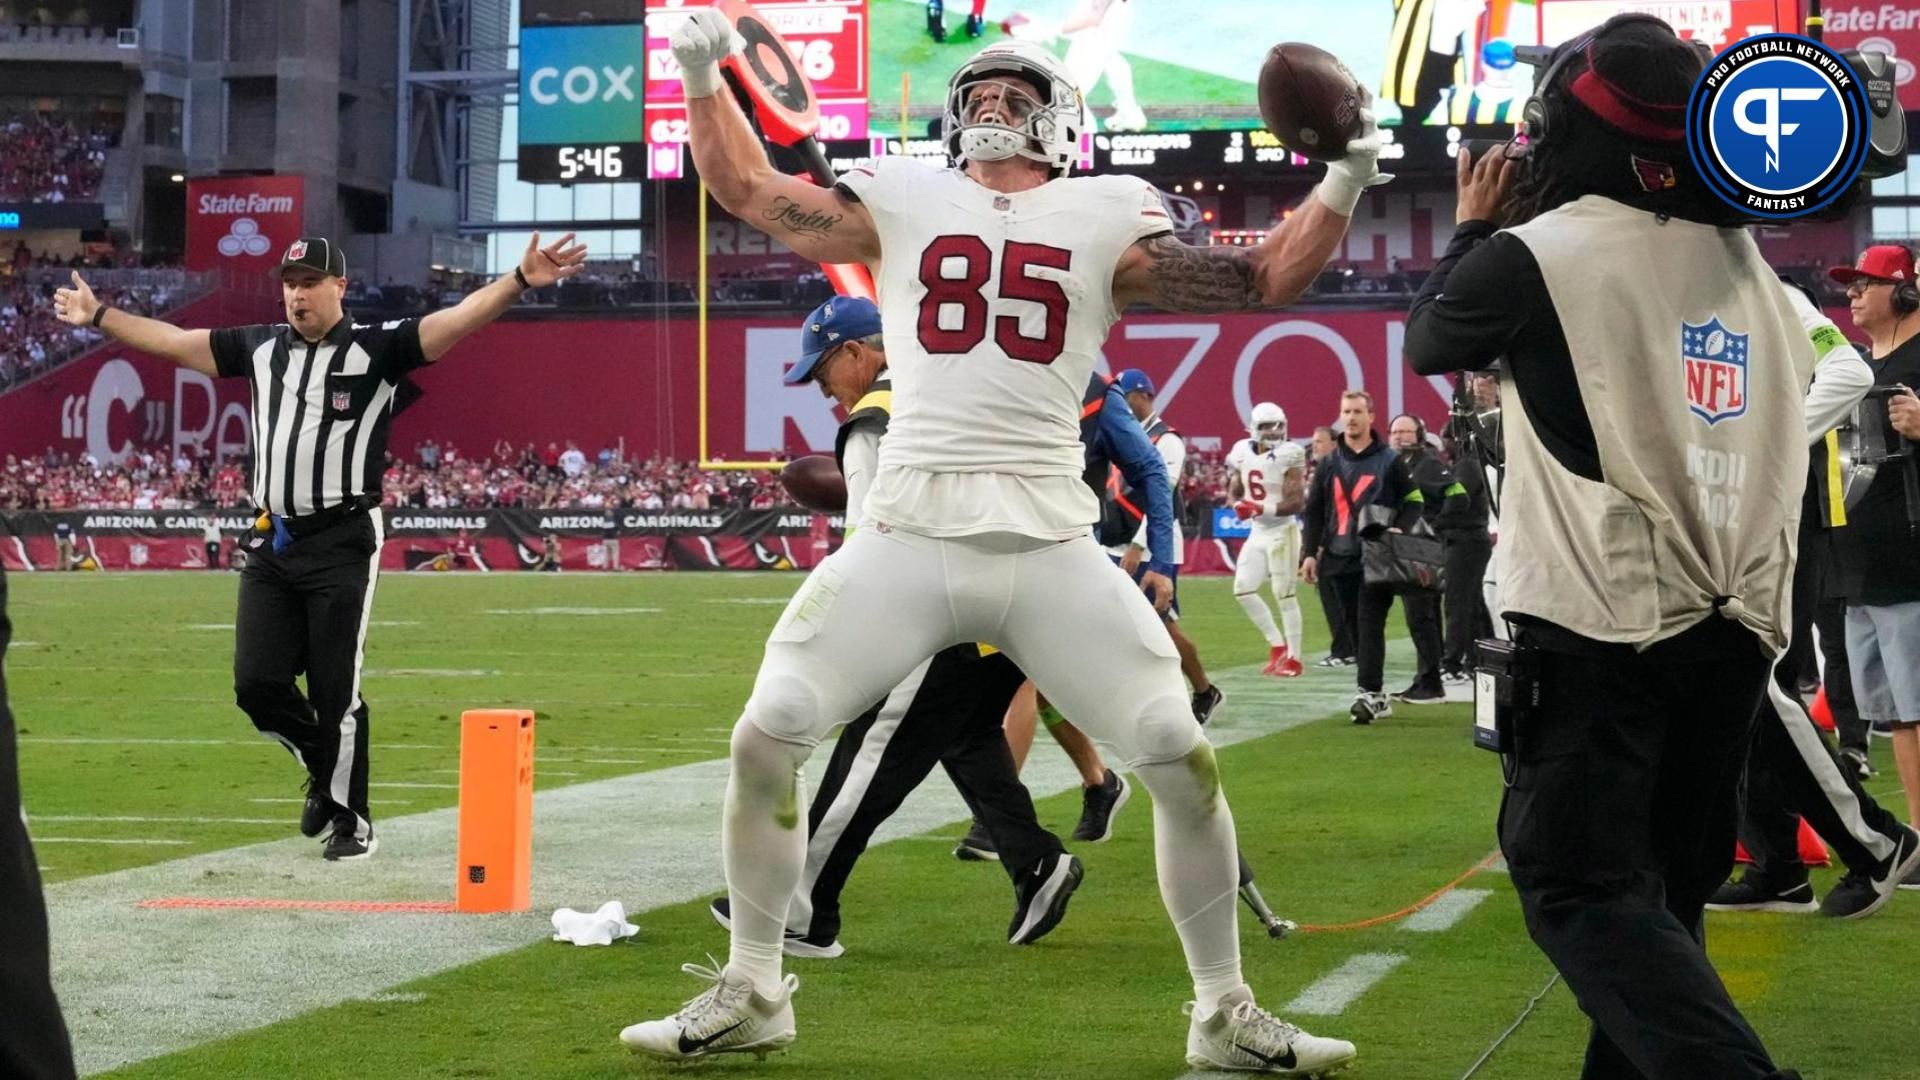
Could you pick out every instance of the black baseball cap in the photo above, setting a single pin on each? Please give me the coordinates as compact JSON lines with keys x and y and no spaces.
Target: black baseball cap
{"x":315,"y":253}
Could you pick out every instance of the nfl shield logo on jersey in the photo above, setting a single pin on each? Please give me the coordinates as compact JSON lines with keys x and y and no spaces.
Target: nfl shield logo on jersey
{"x":342,"y":400}
{"x":1716,"y":362}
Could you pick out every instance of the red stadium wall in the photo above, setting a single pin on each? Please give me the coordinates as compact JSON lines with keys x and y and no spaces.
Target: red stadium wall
{"x":600,"y":381}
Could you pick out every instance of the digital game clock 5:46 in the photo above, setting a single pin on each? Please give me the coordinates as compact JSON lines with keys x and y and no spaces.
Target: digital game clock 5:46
{"x":583,"y":164}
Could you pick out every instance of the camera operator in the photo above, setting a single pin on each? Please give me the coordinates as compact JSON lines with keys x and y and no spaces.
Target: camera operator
{"x":1646,"y":530}
{"x":1878,"y":552}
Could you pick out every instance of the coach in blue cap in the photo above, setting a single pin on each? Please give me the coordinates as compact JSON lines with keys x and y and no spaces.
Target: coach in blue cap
{"x":845,"y":328}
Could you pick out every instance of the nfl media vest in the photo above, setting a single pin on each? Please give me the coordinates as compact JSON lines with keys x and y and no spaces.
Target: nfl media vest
{"x":1693,"y":369}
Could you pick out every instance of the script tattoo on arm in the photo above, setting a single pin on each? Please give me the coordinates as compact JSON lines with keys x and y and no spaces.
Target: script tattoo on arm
{"x":800,"y":220}
{"x":1199,"y":280}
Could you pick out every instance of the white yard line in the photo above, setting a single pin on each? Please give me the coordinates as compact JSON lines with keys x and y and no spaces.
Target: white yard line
{"x":167,"y":980}
{"x":145,"y":842}
{"x":1330,"y":994}
{"x":32,"y":817}
{"x":1442,"y":914}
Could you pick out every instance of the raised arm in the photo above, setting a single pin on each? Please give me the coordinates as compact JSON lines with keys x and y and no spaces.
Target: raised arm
{"x":538,"y":267}
{"x":1172,"y":276}
{"x":189,"y":348}
{"x":818,"y":223}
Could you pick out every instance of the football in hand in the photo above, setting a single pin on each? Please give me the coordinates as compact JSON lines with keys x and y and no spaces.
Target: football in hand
{"x":815,"y":482}
{"x":1310,"y":101}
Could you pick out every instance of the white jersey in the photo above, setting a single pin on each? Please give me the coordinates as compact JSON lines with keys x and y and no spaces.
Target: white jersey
{"x":994,"y":308}
{"x":1261,"y":473}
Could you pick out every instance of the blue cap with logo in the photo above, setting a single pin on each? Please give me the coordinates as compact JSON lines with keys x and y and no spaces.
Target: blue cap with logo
{"x":829,"y":326}
{"x":1134,"y":381}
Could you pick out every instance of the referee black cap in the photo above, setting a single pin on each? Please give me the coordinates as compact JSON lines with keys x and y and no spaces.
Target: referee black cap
{"x":315,"y":253}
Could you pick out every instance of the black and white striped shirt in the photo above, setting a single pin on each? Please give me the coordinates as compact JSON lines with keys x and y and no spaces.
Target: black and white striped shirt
{"x":320,"y":409}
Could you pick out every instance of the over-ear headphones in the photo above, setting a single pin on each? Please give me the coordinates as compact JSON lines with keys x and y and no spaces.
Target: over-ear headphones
{"x":1906,"y":294}
{"x":1538,"y":113}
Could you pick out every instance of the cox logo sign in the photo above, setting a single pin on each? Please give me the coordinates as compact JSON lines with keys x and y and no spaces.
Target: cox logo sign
{"x":580,"y":84}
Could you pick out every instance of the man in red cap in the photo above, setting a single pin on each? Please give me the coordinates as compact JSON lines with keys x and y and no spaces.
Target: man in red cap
{"x":1877,"y":554}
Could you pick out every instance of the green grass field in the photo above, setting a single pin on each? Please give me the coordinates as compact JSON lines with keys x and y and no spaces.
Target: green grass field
{"x":121,"y":686}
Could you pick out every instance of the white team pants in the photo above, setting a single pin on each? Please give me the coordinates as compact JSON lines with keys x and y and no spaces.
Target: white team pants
{"x":1269,"y":555}
{"x":1061,"y":610}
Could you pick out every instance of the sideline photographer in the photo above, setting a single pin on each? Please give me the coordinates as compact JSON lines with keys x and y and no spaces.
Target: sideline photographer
{"x":1646,"y":537}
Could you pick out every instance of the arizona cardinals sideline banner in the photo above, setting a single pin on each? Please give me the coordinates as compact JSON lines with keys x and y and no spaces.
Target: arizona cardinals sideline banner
{"x":480,"y":540}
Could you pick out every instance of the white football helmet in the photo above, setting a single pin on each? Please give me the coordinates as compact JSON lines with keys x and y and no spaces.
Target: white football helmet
{"x":1049,"y":132}
{"x":1268,"y":425}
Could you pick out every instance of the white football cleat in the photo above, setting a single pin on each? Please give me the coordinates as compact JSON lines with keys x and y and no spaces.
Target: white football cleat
{"x":1129,"y":119}
{"x":729,"y":1017}
{"x":1243,"y":1037}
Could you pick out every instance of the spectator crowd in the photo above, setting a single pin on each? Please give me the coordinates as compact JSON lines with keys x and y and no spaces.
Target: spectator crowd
{"x":32,"y":340}
{"x":45,"y":158}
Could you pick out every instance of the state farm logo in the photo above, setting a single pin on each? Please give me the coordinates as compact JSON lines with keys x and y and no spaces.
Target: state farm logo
{"x":251,"y":203}
{"x":244,"y":238}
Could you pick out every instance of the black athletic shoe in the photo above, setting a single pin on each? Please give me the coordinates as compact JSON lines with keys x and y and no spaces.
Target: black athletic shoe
{"x":317,"y":812}
{"x":1421,"y":695}
{"x":1860,"y":894}
{"x":936,"y":25}
{"x":1205,"y":702}
{"x":343,"y":847}
{"x":976,"y":25}
{"x":1858,"y":761}
{"x":1098,"y":806}
{"x":1040,"y":898}
{"x":976,"y":846}
{"x":806,"y":946}
{"x":1749,"y":893}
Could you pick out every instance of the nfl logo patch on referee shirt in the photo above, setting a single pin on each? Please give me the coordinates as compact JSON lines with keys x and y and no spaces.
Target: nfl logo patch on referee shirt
{"x":342,"y":400}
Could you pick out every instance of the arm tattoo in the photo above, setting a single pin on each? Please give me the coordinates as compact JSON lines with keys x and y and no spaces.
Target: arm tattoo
{"x":1199,"y":280}
{"x":799,"y":220}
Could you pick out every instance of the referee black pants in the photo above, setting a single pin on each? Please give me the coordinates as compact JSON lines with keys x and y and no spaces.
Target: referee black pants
{"x":305,"y":610}
{"x":952,"y":716}
{"x":1619,"y":825}
{"x":33,"y":1037}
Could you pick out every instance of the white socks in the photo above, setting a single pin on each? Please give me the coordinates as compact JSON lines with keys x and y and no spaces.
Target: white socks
{"x":1256,"y":609}
{"x":1290,"y":618}
{"x":1199,"y":868}
{"x":763,"y":837}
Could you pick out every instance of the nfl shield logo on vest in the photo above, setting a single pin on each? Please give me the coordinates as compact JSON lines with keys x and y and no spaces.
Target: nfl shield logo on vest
{"x":1716,"y":362}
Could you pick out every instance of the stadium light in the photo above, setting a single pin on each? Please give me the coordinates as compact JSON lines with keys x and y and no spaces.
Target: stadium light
{"x":179,"y":179}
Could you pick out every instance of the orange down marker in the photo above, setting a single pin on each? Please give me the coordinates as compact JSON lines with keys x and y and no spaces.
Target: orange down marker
{"x":495,"y":871}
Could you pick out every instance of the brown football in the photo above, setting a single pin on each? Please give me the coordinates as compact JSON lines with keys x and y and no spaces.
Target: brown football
{"x":815,"y":482}
{"x":1310,"y":101}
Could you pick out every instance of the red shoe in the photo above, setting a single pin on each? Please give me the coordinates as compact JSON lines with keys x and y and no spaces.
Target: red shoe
{"x":1276,"y":656}
{"x":1290,"y":668}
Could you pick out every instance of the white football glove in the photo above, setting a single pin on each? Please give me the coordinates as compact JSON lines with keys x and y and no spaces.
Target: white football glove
{"x":1357,"y":171}
{"x":702,"y":40}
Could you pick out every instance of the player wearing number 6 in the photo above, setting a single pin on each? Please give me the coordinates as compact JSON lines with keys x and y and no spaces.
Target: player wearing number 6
{"x":998,"y":280}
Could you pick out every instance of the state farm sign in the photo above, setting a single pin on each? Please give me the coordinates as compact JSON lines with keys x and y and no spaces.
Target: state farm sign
{"x":1888,"y":26}
{"x":243,"y":222}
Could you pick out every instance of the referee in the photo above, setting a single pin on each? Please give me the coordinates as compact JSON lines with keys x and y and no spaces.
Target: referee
{"x":323,"y":388}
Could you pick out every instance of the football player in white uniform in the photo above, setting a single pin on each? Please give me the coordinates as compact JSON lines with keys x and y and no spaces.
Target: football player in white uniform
{"x":1268,"y":486}
{"x":998,"y":280}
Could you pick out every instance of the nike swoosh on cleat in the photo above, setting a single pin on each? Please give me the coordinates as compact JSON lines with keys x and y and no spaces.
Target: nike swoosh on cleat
{"x":1285,"y":1061}
{"x":688,"y":1046}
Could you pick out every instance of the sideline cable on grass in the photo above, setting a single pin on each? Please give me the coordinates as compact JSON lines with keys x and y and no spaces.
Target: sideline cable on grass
{"x":1488,"y":1053}
{"x":1409,"y":909}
